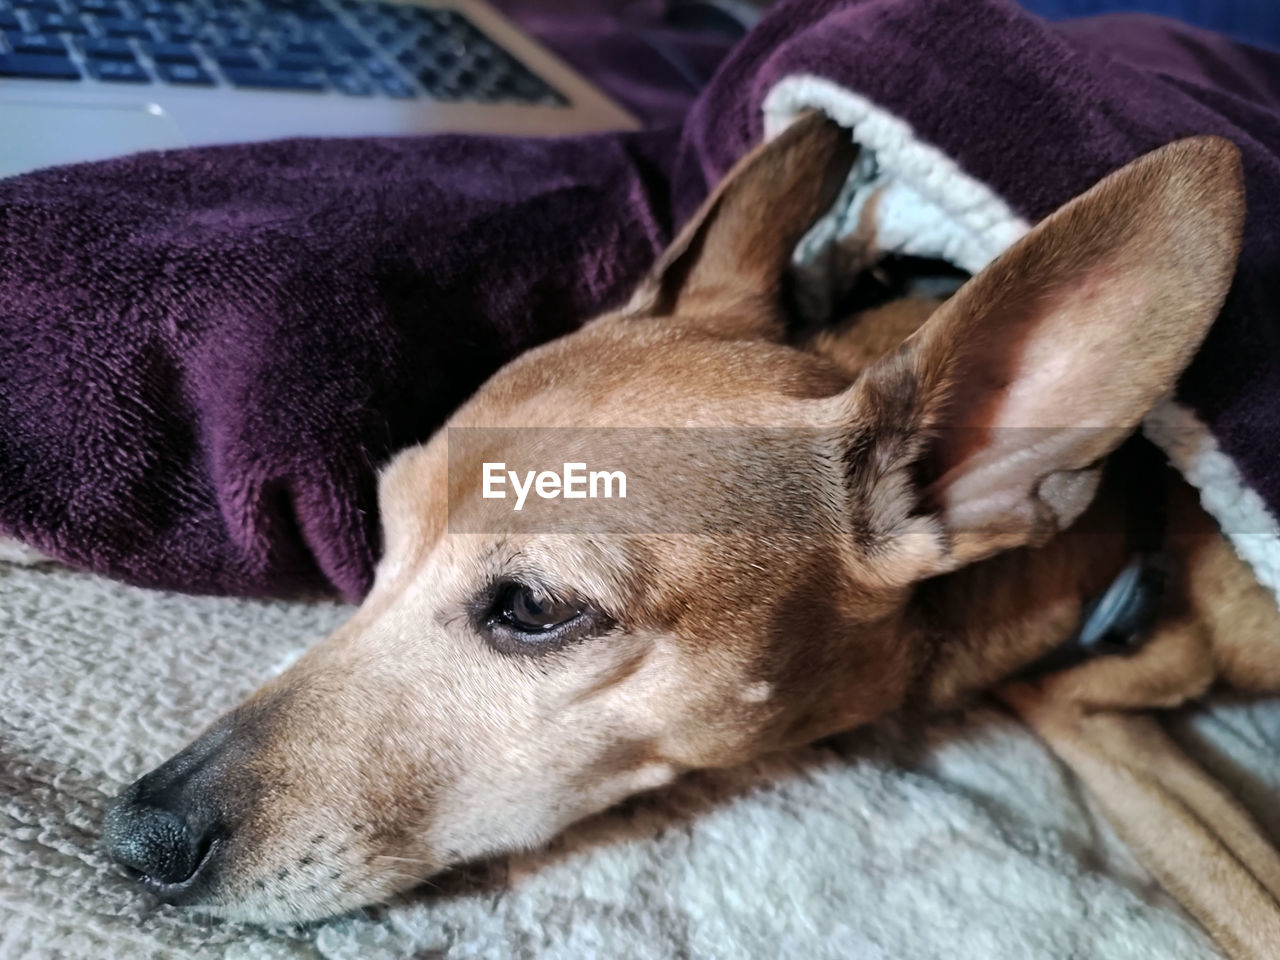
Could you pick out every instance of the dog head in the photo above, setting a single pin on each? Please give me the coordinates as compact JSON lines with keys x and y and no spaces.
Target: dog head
{"x":515,"y":670}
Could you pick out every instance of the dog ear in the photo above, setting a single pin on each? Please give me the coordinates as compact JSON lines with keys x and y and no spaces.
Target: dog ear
{"x":987,"y":427}
{"x":724,"y":270}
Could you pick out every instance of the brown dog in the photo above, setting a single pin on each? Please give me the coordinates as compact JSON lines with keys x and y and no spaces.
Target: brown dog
{"x":858,"y":525}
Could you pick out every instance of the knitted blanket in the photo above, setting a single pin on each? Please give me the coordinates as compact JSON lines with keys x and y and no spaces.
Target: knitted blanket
{"x":965,"y":841}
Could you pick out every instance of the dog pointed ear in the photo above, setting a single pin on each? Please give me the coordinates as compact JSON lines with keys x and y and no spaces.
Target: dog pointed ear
{"x":724,"y":270}
{"x":987,"y":427}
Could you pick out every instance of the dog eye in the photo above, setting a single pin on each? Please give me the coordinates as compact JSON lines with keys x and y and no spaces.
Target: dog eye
{"x":524,"y":620}
{"x":518,"y":607}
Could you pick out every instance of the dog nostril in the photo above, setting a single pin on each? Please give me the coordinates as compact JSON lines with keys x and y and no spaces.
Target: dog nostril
{"x":152,"y":843}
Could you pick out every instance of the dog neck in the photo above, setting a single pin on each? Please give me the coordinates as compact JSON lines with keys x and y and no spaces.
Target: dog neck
{"x":982,"y":624}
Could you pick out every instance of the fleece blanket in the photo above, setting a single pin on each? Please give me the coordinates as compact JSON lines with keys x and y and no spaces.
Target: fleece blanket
{"x":965,"y":841}
{"x":206,"y":355}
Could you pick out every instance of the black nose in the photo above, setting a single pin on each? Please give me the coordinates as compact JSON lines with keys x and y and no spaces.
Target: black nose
{"x":159,"y":845}
{"x":165,"y":827}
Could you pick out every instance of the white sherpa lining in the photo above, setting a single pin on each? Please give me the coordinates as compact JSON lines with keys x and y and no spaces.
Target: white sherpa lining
{"x":905,"y":196}
{"x":925,"y":205}
{"x":1243,"y":515}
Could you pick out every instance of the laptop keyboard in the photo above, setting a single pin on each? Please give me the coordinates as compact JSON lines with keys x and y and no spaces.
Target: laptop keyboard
{"x":357,"y":48}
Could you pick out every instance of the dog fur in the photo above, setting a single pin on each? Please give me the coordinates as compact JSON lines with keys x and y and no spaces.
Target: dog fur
{"x":932,"y":518}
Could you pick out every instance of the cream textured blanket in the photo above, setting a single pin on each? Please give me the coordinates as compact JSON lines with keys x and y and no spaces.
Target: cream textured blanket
{"x":965,"y":841}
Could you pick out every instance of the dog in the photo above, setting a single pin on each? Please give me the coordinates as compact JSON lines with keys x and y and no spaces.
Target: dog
{"x":897,"y":514}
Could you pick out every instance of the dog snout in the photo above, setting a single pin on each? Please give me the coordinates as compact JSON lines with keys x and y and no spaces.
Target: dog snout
{"x":165,"y":827}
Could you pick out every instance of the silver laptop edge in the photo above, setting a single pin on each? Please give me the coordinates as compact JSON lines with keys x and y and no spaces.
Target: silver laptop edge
{"x":48,"y":122}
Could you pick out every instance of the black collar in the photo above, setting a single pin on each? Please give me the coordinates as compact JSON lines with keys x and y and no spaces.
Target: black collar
{"x":1118,"y":620}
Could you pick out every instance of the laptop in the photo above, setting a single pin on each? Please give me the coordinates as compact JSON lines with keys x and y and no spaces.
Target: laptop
{"x":90,"y":79}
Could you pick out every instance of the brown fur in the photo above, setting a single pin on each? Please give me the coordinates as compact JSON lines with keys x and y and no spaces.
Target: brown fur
{"x":892,"y":539}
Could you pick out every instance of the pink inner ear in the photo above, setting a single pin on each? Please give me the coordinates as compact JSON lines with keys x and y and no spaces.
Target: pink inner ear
{"x":1045,"y":361}
{"x":1048,"y":391}
{"x":1077,"y":366}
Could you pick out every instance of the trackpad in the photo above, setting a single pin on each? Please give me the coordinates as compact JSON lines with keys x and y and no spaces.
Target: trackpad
{"x":46,"y":134}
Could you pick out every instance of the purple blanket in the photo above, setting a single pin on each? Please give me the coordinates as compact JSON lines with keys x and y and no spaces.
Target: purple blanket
{"x":205,"y":355}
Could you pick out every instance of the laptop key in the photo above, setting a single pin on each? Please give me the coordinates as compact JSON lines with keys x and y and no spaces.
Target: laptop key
{"x":210,"y":35}
{"x":49,"y":44}
{"x":242,"y":37}
{"x":43,"y":6}
{"x":303,"y":46}
{"x":352,"y":47}
{"x":445,"y":88}
{"x":442,"y":58}
{"x":118,"y":71}
{"x":352,"y":85}
{"x":37,"y":67}
{"x":172,"y":53}
{"x":9,"y":21}
{"x":178,"y":32}
{"x":299,"y":62}
{"x":124,"y":27}
{"x":60,"y":23}
{"x":228,"y":57}
{"x":317,"y":15}
{"x":105,"y":49}
{"x":338,"y":36}
{"x":274,"y":79}
{"x":184,"y":73}
{"x":397,"y":88}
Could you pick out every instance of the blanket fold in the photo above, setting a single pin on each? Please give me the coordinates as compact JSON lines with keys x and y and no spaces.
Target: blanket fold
{"x":205,"y":355}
